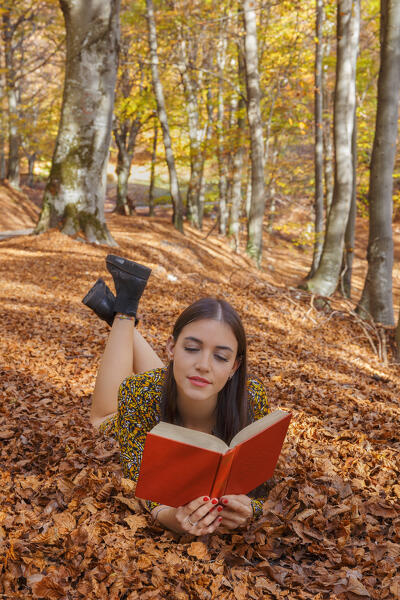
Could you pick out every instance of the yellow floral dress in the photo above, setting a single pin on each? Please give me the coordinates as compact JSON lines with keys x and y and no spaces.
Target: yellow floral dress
{"x":139,"y":411}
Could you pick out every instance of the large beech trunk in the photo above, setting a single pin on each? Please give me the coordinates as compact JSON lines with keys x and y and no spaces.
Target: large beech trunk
{"x":256,"y":215}
{"x":377,"y":293}
{"x":75,"y":192}
{"x":326,"y":278}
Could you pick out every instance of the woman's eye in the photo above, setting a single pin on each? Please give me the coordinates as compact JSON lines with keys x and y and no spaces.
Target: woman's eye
{"x":191,"y":349}
{"x":218,"y":357}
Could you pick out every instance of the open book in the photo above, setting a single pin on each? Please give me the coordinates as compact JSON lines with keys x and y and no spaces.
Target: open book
{"x":180,"y":464}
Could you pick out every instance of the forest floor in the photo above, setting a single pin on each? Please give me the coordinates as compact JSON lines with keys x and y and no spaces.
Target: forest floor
{"x":70,"y":526}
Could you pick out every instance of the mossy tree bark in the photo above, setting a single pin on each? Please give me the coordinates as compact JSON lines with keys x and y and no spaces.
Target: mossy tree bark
{"x":325,"y":279}
{"x":75,"y":192}
{"x":257,"y":206}
{"x":377,"y":298}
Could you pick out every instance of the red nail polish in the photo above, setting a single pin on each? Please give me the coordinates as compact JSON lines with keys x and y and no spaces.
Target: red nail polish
{"x":214,"y":501}
{"x":225,"y":501}
{"x":219,"y":518}
{"x":219,"y":508}
{"x":206,"y":499}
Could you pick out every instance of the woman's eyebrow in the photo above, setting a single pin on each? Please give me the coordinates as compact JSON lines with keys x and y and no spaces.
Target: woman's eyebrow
{"x":193,"y":339}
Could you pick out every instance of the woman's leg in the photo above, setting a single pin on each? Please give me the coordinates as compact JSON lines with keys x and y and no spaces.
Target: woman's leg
{"x":126,"y":351}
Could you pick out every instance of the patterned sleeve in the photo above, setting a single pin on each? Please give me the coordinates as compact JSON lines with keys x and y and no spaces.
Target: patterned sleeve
{"x":132,"y":426}
{"x":259,"y":405}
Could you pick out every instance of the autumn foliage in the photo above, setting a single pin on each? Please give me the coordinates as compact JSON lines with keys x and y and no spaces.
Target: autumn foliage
{"x":70,"y":526}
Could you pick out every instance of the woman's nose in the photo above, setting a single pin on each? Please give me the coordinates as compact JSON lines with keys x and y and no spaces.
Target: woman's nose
{"x":203,"y":362}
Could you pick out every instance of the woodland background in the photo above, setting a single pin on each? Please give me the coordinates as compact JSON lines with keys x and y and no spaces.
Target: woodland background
{"x":231,"y":187}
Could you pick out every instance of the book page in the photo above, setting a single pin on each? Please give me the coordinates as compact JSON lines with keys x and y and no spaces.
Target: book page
{"x":189,"y":436}
{"x":258,"y":426}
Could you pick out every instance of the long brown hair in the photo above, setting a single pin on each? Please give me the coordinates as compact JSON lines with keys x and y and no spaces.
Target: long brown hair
{"x":232,"y":406}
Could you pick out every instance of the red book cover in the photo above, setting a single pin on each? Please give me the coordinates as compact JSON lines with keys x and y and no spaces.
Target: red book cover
{"x":174,"y":473}
{"x":256,"y":458}
{"x":180,"y":464}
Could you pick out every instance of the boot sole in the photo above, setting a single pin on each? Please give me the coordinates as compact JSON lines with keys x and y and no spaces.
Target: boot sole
{"x":93,"y":291}
{"x":128,"y":266}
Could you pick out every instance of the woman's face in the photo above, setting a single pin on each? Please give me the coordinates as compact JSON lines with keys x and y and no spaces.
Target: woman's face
{"x":204,"y":358}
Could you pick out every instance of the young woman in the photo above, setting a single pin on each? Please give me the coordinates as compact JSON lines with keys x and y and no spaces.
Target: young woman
{"x":204,"y":387}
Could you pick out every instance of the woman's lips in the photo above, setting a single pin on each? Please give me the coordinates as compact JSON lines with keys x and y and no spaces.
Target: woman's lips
{"x":199,"y":381}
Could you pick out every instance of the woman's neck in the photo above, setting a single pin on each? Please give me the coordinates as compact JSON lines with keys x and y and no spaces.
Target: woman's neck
{"x":200,"y":420}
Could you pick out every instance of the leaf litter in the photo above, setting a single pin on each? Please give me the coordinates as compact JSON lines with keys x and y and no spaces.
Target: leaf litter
{"x":70,"y":526}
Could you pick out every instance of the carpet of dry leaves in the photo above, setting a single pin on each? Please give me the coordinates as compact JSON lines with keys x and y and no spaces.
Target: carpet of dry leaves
{"x":70,"y":526}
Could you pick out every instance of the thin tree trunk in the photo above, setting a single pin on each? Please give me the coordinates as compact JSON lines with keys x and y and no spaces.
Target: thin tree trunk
{"x":31,"y":169}
{"x":2,"y":136}
{"x":207,"y":138}
{"x":327,"y":137}
{"x":256,"y":216}
{"x":238,"y":158}
{"x":377,"y":298}
{"x":222,"y":162}
{"x":319,"y":144}
{"x":350,"y":234}
{"x":75,"y":192}
{"x":195,"y":133}
{"x":328,"y":167}
{"x":153,"y":170}
{"x":125,"y":139}
{"x":14,"y":138}
{"x":326,"y":278}
{"x":248,"y":191}
{"x":123,"y":171}
{"x":177,"y":217}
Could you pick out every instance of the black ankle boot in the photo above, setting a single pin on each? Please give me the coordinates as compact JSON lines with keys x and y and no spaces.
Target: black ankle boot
{"x":101,"y":300}
{"x":130,"y":279}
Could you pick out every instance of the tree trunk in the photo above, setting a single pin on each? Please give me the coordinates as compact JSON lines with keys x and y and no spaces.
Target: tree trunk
{"x":123,"y":171}
{"x":256,"y":216}
{"x":2,"y":122}
{"x":327,"y":136}
{"x":31,"y":169}
{"x":326,"y":278}
{"x":207,"y":137}
{"x":350,"y":234}
{"x":247,"y":200}
{"x":14,"y":138}
{"x":75,"y":192}
{"x":319,"y":144}
{"x":238,"y":158}
{"x":125,"y":139}
{"x":195,"y":133}
{"x":377,"y":293}
{"x":177,"y":217}
{"x":222,"y":162}
{"x":153,"y":170}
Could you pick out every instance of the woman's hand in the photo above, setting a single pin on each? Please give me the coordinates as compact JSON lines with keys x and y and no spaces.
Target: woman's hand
{"x":237,"y":511}
{"x":198,"y":517}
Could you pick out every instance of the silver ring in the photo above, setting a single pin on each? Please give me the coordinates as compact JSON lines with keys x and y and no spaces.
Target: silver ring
{"x":192,"y":524}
